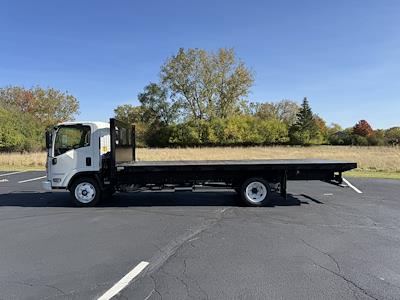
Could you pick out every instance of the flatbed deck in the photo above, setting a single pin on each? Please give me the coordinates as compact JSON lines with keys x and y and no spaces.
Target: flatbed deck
{"x":245,"y":176}
{"x":228,"y":170}
{"x":292,"y":163}
{"x":288,"y":165}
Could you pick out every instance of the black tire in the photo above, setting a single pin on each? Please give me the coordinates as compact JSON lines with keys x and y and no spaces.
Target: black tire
{"x":85,"y":185}
{"x":255,"y":192}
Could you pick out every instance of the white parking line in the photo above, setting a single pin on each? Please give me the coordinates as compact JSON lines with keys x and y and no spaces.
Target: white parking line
{"x":352,"y":186}
{"x":33,"y":179}
{"x":120,"y":285}
{"x":12,"y":173}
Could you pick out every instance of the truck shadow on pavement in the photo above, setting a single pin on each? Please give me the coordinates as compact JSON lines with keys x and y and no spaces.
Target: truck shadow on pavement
{"x":145,"y":199}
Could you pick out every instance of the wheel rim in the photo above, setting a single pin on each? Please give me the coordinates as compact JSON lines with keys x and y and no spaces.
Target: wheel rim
{"x":256,"y":192}
{"x":85,"y":192}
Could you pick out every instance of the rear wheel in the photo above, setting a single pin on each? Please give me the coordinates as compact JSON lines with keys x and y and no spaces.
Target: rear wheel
{"x":255,"y":192}
{"x":85,"y":192}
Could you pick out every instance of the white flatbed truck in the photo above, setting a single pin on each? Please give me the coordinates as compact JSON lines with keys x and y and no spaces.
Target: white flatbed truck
{"x":95,"y":159}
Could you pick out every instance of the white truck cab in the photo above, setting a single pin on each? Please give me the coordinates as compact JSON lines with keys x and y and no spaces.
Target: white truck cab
{"x":74,"y":148}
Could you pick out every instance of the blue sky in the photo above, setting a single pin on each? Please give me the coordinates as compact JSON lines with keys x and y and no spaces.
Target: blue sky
{"x":344,"y":55}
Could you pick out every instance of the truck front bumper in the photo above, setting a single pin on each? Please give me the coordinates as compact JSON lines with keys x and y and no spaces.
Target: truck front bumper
{"x":46,"y":185}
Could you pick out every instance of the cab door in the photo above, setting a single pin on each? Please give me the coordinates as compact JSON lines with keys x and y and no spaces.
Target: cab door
{"x":72,"y":153}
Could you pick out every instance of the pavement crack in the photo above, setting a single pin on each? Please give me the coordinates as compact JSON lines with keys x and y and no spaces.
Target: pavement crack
{"x":178,"y":279}
{"x":161,"y":213}
{"x":171,"y":248}
{"x":201,"y":289}
{"x":352,"y":283}
{"x":38,"y":215}
{"x":159,"y":248}
{"x":59,"y":291}
{"x":120,"y":296}
{"x":149,"y":295}
{"x":165,"y":253}
{"x":184,"y":274}
{"x":56,"y":288}
{"x":184,"y":267}
{"x":325,"y":253}
{"x":155,"y":287}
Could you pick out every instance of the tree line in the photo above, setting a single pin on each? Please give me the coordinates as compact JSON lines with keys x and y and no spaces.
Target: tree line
{"x":201,"y":99}
{"x":25,"y":114}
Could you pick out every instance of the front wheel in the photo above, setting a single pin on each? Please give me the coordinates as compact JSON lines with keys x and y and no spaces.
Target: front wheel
{"x":85,"y":192}
{"x":255,"y":192}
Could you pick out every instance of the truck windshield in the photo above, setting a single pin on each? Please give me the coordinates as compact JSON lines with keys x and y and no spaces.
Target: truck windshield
{"x":71,"y":137}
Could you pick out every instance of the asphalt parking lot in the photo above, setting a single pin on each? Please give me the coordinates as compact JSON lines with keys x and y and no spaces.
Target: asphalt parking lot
{"x":324,"y":242}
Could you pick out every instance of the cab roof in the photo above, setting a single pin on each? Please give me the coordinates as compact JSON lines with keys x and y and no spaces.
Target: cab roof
{"x":96,"y":124}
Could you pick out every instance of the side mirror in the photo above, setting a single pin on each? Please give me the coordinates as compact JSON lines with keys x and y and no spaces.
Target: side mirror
{"x":49,"y":139}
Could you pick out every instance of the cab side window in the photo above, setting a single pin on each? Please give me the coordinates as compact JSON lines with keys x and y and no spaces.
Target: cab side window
{"x":71,"y":137}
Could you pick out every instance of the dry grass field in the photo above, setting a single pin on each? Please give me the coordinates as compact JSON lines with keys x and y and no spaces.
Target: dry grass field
{"x":17,"y":161}
{"x":372,"y":161}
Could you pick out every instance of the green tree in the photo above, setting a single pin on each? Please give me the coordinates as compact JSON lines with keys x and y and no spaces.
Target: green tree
{"x":392,"y":136}
{"x":284,"y":111}
{"x":152,"y":117}
{"x":49,"y":106}
{"x":266,"y":111}
{"x":237,"y":130}
{"x":20,"y":132}
{"x":128,"y":113}
{"x":11,"y":138}
{"x":333,"y":134}
{"x":155,"y":107}
{"x":359,"y":140}
{"x":206,"y":84}
{"x":185,"y":134}
{"x":305,"y":130}
{"x":133,"y":115}
{"x":377,"y":138}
